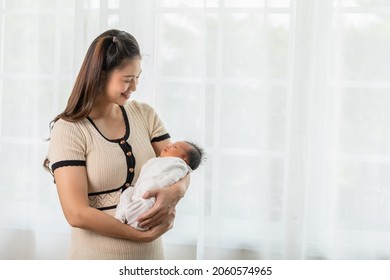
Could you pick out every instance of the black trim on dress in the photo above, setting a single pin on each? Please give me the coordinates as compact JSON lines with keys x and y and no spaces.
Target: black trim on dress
{"x":161,"y":138}
{"x":98,"y":200}
{"x":64,"y":163}
{"x":107,"y":207}
{"x":105,"y":192}
{"x":127,"y":132}
{"x":130,"y":161}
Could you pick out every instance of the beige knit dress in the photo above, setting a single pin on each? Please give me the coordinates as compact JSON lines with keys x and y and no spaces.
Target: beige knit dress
{"x":112,"y":166}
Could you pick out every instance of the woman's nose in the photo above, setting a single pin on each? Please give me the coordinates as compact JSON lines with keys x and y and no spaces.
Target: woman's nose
{"x":133,"y":85}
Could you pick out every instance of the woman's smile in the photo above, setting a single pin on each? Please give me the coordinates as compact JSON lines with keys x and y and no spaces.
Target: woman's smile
{"x":126,"y":94}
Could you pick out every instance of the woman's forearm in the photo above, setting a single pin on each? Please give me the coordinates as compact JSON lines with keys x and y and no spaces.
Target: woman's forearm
{"x":95,"y":220}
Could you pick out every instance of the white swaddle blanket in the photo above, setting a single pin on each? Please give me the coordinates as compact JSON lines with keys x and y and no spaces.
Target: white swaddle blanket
{"x":155,"y":173}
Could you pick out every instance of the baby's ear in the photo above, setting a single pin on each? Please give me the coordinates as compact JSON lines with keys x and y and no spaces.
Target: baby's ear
{"x":185,"y":158}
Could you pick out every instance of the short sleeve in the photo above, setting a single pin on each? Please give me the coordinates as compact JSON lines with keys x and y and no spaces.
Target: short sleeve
{"x":67,"y":145}
{"x":157,"y":130}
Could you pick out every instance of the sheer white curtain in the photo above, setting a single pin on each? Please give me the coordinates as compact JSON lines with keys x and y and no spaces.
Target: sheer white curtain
{"x":290,"y":99}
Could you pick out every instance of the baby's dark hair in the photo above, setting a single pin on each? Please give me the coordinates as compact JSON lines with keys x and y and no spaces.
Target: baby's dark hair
{"x":195,"y":155}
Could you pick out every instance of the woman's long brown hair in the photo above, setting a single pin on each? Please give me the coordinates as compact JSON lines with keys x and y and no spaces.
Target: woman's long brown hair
{"x":105,"y":54}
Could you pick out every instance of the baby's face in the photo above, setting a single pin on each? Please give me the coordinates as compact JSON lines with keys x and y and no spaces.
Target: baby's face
{"x":178,"y":149}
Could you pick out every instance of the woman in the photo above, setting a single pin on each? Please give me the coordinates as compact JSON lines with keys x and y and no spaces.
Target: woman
{"x":97,"y":148}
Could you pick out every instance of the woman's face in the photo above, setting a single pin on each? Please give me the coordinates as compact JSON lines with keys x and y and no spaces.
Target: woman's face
{"x":123,"y":81}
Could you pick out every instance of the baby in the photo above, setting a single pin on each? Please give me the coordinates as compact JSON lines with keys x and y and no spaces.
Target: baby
{"x":174,"y":162}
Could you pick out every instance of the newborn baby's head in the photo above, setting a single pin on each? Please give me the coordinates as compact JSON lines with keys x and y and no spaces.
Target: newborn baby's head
{"x":185,"y":150}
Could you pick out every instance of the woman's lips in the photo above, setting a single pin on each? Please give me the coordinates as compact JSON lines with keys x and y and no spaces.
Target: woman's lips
{"x":126,"y":95}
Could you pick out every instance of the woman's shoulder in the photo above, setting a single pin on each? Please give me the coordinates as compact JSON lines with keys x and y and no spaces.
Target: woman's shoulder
{"x":64,"y":128}
{"x":139,"y":107}
{"x":61,"y":124}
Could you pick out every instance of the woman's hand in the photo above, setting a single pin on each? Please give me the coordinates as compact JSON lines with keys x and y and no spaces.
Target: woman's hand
{"x":155,"y":232}
{"x":163,"y":211}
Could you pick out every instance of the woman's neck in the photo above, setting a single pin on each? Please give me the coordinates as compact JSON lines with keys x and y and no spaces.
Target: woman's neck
{"x":104,"y":110}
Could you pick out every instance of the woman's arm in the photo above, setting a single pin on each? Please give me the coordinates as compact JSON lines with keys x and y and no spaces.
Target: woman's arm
{"x":166,"y":198}
{"x":166,"y":201}
{"x":72,"y":189}
{"x":160,"y":145}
